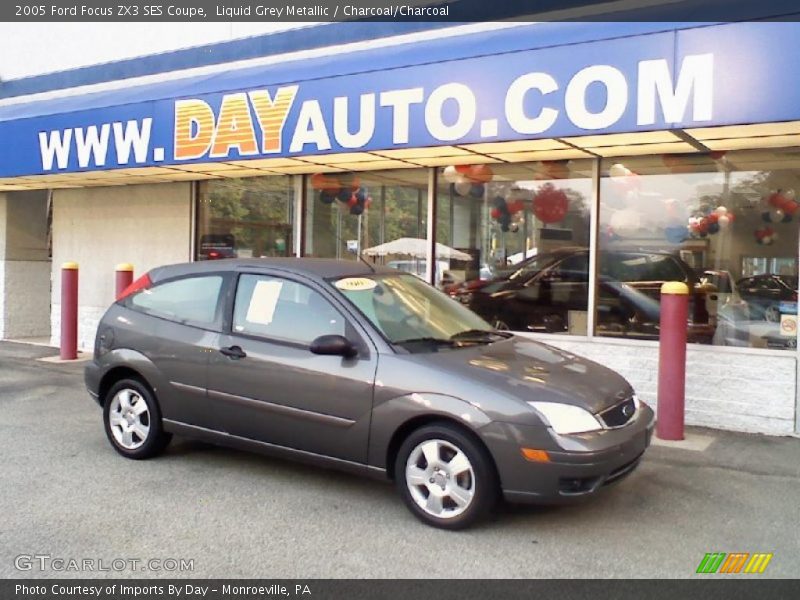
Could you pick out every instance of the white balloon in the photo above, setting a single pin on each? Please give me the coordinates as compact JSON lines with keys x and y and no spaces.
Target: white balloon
{"x":724,"y":220}
{"x":789,"y":194}
{"x":463,"y":187}
{"x":721,"y":210}
{"x":625,"y":222}
{"x":776,"y":215}
{"x":618,"y":170}
{"x":450,"y":174}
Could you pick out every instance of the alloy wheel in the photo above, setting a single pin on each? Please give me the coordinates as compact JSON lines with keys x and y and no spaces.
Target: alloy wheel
{"x":440,"y":478}
{"x":129,"y":419}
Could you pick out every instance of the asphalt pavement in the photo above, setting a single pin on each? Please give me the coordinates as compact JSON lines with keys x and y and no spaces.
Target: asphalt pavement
{"x":65,"y":494}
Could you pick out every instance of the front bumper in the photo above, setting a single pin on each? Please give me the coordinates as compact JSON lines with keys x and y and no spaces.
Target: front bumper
{"x":579,"y":467}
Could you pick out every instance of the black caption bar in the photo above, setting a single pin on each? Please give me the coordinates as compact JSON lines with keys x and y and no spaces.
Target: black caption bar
{"x":396,"y":10}
{"x":439,"y":589}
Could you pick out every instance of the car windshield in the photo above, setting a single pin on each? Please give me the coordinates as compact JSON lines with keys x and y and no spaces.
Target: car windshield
{"x":407,"y":310}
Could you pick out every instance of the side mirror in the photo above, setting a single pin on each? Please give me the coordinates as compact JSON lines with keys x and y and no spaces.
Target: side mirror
{"x":333,"y":345}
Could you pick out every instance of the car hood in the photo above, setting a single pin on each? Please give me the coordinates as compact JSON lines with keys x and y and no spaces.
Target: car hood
{"x":530,"y":370}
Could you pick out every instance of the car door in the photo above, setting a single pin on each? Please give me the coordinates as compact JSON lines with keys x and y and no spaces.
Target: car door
{"x":174,"y":324}
{"x":269,"y":386}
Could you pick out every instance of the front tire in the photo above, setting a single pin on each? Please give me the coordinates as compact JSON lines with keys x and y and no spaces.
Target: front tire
{"x":445,"y":477}
{"x":132,"y":420}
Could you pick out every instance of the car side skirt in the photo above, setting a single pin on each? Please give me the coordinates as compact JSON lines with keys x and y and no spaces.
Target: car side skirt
{"x":240,"y":443}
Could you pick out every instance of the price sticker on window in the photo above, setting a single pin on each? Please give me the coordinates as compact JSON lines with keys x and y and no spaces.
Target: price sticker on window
{"x":355,"y":284}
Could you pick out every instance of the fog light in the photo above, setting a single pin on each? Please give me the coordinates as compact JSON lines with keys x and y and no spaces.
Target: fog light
{"x":535,"y":455}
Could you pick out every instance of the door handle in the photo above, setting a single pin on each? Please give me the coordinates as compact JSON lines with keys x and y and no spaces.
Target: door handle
{"x":233,"y":352}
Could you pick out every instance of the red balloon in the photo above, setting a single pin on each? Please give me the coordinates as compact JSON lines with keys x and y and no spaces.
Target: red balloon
{"x":550,"y":205}
{"x":480,"y":173}
{"x":463,"y":169}
{"x":353,"y":201}
{"x":495,"y":213}
{"x":516,"y":206}
{"x":777,"y":200}
{"x":791,"y":207}
{"x":702,"y":226}
{"x":713,"y":217}
{"x":717,"y":154}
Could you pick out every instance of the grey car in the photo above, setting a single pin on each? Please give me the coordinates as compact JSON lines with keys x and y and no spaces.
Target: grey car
{"x":363,"y":369}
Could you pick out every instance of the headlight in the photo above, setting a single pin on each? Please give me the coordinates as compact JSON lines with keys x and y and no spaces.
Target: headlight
{"x":565,"y":418}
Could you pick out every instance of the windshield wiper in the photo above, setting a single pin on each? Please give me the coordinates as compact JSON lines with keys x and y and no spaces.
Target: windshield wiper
{"x":479,"y":335}
{"x":429,"y":340}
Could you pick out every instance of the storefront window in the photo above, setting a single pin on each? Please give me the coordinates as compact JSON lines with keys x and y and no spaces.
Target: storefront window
{"x":380,"y":214}
{"x":726,"y":224}
{"x":245,"y":218}
{"x":515,"y":242}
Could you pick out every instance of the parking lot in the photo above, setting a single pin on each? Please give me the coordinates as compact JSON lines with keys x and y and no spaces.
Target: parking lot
{"x":65,"y":493}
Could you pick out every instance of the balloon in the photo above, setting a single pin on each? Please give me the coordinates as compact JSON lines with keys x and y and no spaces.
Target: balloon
{"x":344,"y":195}
{"x":724,"y":221}
{"x":462,"y":188}
{"x":712,"y":217}
{"x":675,"y":234}
{"x":450,"y":174}
{"x":356,"y":209}
{"x":514,"y":228}
{"x":320,"y":181}
{"x":353,"y":201}
{"x":463,"y":169}
{"x":515,"y":206}
{"x":791,"y":207}
{"x":480,"y":173}
{"x":776,"y":215}
{"x":327,"y":197}
{"x":495,"y":213}
{"x":550,"y":205}
{"x":713,"y":227}
{"x":721,"y":210}
{"x":789,"y":194}
{"x":476,"y":190}
{"x":618,"y":170}
{"x":361,"y":195}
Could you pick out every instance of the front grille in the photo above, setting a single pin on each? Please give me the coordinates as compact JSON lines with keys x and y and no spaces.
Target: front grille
{"x":619,"y":414}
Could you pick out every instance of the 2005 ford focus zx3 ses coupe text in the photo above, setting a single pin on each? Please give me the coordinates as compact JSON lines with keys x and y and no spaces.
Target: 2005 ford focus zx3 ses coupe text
{"x":365,"y":369}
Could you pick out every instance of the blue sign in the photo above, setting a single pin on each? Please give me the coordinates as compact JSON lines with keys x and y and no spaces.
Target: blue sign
{"x":700,"y":77}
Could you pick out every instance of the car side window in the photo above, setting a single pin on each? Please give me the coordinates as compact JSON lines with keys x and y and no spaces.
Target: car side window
{"x":282,"y":309}
{"x":186,"y":300}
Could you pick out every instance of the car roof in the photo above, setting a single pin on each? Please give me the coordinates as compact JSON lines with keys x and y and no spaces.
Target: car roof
{"x":318,"y":268}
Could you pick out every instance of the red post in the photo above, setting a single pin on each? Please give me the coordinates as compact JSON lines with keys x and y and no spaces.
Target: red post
{"x":672,"y":360}
{"x":69,"y":311}
{"x":124,"y":277}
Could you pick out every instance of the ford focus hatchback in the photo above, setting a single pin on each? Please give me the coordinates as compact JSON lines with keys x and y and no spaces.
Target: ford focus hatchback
{"x":368,"y":370}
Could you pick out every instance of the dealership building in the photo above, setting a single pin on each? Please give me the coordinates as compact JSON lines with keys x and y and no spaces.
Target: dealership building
{"x":581,"y":164}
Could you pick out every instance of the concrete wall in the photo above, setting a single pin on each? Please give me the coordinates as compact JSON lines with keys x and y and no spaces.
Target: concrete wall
{"x":725,"y":388}
{"x":100,"y":227}
{"x":24,"y":265}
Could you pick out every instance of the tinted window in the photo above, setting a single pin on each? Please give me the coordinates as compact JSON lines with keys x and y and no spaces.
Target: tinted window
{"x":192,"y":299}
{"x":283,"y":309}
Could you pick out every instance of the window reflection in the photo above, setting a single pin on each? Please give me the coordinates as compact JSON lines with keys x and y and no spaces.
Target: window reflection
{"x":724,"y":223}
{"x":525,"y":228}
{"x":245,"y":218}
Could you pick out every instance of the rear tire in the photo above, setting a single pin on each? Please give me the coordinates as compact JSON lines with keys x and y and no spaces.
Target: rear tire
{"x":132,"y":420}
{"x":445,"y":477}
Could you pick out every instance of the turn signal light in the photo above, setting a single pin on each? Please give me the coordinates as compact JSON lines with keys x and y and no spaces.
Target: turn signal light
{"x":535,"y":455}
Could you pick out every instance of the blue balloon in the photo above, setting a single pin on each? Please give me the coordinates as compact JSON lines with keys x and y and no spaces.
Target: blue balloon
{"x":344,"y":194}
{"x":476,"y":190}
{"x":713,"y":228}
{"x":356,"y":209}
{"x":676,"y":234}
{"x":327,"y":197}
{"x":499,"y":202}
